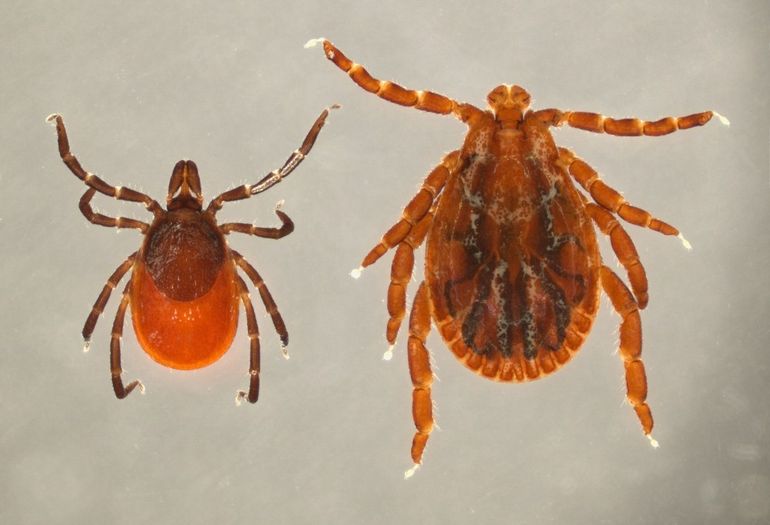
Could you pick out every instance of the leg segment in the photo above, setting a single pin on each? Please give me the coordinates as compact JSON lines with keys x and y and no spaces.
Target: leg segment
{"x":610,"y":199}
{"x":251,"y":322}
{"x":415,"y":210}
{"x":392,"y":92}
{"x":267,"y":299}
{"x":624,"y":249}
{"x":274,"y":177}
{"x":91,"y":180}
{"x":104,"y":296}
{"x":287,"y":226}
{"x":401,"y":274}
{"x":117,"y":334}
{"x":103,"y":220}
{"x":421,"y":374}
{"x":630,"y":347}
{"x":627,"y":127}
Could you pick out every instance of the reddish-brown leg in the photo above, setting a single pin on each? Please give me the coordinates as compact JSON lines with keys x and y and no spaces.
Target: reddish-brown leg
{"x":400,"y":275}
{"x":287,"y":226}
{"x":275,"y":176}
{"x":609,"y":199}
{"x":117,"y":333}
{"x":104,"y":296}
{"x":630,"y":347}
{"x":624,"y":249}
{"x":104,"y":220}
{"x":421,"y":374}
{"x":91,"y":180}
{"x":392,"y":92}
{"x":627,"y":127}
{"x":251,"y":324}
{"x":415,"y":210}
{"x":267,"y":299}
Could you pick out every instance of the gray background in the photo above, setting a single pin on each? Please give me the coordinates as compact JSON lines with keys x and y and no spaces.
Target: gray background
{"x":228,"y":84}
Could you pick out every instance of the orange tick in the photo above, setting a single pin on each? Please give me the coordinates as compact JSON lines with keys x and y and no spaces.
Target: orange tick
{"x":512,"y":268}
{"x":184,"y":288}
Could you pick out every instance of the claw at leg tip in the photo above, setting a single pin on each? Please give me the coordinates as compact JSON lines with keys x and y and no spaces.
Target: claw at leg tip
{"x":722,"y":118}
{"x":410,"y":472}
{"x":285,"y":351}
{"x":86,"y":346}
{"x":314,"y":42}
{"x":51,"y":118}
{"x":141,"y":387}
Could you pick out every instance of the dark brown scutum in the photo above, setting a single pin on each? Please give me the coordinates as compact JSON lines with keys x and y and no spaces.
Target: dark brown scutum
{"x":183,"y":253}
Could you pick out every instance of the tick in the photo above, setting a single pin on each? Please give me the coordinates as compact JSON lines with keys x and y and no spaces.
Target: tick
{"x":513,"y":271}
{"x":184,"y":287}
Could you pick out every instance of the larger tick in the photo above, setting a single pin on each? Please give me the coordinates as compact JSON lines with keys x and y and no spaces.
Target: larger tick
{"x":512,"y":268}
{"x":184,"y":289}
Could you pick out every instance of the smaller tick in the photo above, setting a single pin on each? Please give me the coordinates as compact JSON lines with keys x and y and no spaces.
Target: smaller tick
{"x":184,"y":287}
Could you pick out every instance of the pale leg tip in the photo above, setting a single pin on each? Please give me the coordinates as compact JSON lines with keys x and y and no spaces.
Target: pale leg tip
{"x":240,"y":395}
{"x":388,"y":355}
{"x":51,"y":119}
{"x":722,"y":118}
{"x":285,"y":352}
{"x":410,"y":472}
{"x":653,"y":442}
{"x":685,"y":242}
{"x":356,"y":273}
{"x":314,"y":42}
{"x":141,"y":387}
{"x":279,"y":204}
{"x":86,"y":346}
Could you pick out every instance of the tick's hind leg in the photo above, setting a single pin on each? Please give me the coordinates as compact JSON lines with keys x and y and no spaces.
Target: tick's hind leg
{"x":267,"y":300}
{"x":630,"y":347}
{"x":117,"y":334}
{"x":251,"y":323}
{"x":421,"y":374}
{"x":104,"y":296}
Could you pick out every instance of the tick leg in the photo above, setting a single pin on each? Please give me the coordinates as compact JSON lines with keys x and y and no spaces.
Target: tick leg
{"x":630,"y":347}
{"x":251,"y":322}
{"x":624,"y":249}
{"x":400,"y":275}
{"x":392,"y":92}
{"x":416,"y":209}
{"x":267,"y":299}
{"x":287,"y":226}
{"x":104,"y":220}
{"x":91,"y":180}
{"x":627,"y":127}
{"x":117,"y":333}
{"x":275,"y":176}
{"x":609,"y":199}
{"x":104,"y":296}
{"x":421,"y":374}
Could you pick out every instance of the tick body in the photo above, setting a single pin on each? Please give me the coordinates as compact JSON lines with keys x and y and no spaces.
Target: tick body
{"x":184,"y":289}
{"x":513,"y":271}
